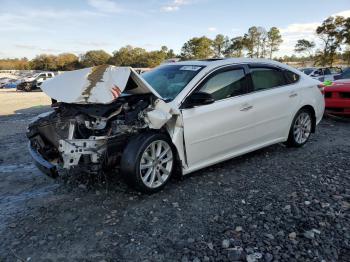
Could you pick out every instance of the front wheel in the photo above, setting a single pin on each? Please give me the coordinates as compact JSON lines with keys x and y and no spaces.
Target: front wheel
{"x":147,"y":162}
{"x":301,"y":128}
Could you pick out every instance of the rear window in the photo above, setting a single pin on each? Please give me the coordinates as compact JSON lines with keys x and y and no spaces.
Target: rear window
{"x":170,"y":80}
{"x":266,"y":78}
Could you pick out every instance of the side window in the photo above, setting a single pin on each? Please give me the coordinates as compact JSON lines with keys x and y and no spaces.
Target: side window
{"x":327,"y":71}
{"x":317,"y":72}
{"x":291,"y":77}
{"x":266,"y":78}
{"x":346,"y":74}
{"x":226,"y":84}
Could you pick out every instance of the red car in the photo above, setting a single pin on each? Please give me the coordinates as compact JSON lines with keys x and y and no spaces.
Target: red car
{"x":337,"y":97}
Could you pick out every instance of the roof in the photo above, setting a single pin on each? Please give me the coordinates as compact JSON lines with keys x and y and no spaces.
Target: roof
{"x":225,"y":61}
{"x":212,"y":63}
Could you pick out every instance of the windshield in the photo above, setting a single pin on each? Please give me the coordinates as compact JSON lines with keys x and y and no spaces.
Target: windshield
{"x":307,"y":71}
{"x":170,"y":80}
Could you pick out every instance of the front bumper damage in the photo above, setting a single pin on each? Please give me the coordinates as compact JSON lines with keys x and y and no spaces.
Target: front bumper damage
{"x":72,"y":150}
{"x":41,"y":163}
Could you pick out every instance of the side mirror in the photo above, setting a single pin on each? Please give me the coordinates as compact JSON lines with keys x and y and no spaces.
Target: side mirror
{"x":198,"y":99}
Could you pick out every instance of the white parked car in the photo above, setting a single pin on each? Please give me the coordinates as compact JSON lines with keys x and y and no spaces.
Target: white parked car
{"x":322,"y":73}
{"x":182,"y":116}
{"x":34,"y":82}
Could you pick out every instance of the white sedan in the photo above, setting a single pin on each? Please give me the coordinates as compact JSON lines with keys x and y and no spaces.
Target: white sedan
{"x":178,"y":117}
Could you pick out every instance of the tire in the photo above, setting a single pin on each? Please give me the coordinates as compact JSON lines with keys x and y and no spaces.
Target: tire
{"x":147,"y":162}
{"x":300,"y":129}
{"x":28,"y":87}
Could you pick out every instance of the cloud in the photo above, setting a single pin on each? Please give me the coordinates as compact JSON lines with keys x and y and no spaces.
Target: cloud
{"x":345,"y":13}
{"x":304,"y":28}
{"x":293,"y":32}
{"x":212,"y":29}
{"x":105,"y":6}
{"x":93,"y":43}
{"x":174,"y":5}
{"x":37,"y":48}
{"x":29,"y":47}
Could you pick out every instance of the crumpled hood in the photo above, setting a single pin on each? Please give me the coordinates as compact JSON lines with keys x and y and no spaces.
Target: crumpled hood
{"x":100,"y":84}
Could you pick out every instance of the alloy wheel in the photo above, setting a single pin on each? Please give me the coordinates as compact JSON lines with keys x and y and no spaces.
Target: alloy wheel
{"x":302,"y":128}
{"x":156,"y":164}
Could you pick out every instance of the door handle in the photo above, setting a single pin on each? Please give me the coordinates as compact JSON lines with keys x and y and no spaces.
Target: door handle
{"x":293,"y":94}
{"x":246,"y":108}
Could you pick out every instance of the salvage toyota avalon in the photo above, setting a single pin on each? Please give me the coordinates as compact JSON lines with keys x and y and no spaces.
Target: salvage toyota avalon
{"x":178,"y":117}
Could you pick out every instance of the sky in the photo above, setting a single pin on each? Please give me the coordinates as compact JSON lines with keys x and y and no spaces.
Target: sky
{"x":32,"y":27}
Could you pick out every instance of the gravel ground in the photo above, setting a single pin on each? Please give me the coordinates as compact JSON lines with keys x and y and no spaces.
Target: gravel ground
{"x":276,"y":204}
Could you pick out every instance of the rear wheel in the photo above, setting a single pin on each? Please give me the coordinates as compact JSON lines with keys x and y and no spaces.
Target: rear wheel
{"x":301,"y":128}
{"x":27,"y":87}
{"x":147,"y":162}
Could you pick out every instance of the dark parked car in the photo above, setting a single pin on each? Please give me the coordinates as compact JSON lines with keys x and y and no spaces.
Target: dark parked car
{"x":344,"y":75}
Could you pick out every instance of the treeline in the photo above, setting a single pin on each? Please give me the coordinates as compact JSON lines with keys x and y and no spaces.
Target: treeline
{"x":334,"y":35}
{"x":125,"y":56}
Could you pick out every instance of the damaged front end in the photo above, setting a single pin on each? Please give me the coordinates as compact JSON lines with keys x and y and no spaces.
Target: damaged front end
{"x":87,"y":137}
{"x":99,"y":110}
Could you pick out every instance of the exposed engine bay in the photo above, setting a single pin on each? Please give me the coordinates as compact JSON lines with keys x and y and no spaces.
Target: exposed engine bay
{"x":91,"y":137}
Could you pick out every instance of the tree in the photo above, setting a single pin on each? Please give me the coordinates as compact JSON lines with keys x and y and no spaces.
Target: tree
{"x":44,"y":62}
{"x":67,"y":61}
{"x":129,"y":56}
{"x":274,"y":40}
{"x":235,"y":49}
{"x":139,"y":57}
{"x":18,"y":64}
{"x":304,"y":46}
{"x":331,"y":34}
{"x":197,"y":48}
{"x":220,"y":44}
{"x":262,"y":42}
{"x":250,"y":41}
{"x":346,"y":36}
{"x":94,"y":58}
{"x":346,"y":56}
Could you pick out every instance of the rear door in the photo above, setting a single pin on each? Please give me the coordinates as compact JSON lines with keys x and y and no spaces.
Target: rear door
{"x":216,"y":131}
{"x":275,"y":97}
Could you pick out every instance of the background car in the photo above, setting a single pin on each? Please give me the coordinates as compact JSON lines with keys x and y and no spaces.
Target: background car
{"x":337,"y":98}
{"x":322,"y":73}
{"x":3,"y":81}
{"x":34,"y":82}
{"x":344,"y":75}
{"x":12,"y":83}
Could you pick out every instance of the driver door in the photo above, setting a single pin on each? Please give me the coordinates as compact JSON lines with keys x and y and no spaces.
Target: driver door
{"x":219,"y":130}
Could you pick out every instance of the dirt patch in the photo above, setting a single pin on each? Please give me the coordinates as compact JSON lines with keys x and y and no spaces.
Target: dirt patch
{"x":12,"y":102}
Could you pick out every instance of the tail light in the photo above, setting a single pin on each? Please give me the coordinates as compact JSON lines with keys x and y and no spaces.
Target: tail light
{"x":321,"y":88}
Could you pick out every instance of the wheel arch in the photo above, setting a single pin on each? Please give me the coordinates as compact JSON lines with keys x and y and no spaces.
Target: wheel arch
{"x":177,"y":171}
